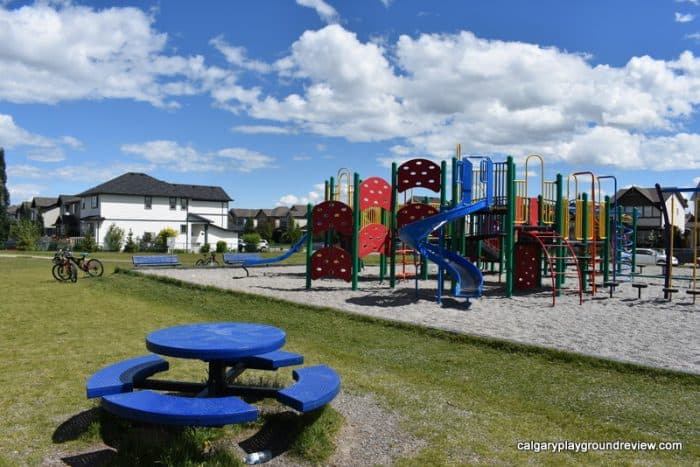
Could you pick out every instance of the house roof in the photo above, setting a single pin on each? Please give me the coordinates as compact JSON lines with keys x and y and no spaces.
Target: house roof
{"x":279,"y":211}
{"x":12,"y":209}
{"x":244,"y":212}
{"x":64,"y":199}
{"x":197,"y":218}
{"x":298,"y":210}
{"x":43,"y":202}
{"x":650,"y":194}
{"x":133,"y":183}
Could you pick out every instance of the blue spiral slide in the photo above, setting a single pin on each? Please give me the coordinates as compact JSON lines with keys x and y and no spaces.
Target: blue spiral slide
{"x":469,"y":281}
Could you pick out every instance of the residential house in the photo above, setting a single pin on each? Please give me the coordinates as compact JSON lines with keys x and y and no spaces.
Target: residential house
{"x":48,"y":209}
{"x":24,"y":211}
{"x":650,"y":222}
{"x":277,"y":217}
{"x":68,"y":222}
{"x":139,"y":203}
{"x":240,"y":216}
{"x":297,"y":213}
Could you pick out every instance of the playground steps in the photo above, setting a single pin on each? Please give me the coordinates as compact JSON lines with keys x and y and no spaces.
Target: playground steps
{"x":553,"y":245}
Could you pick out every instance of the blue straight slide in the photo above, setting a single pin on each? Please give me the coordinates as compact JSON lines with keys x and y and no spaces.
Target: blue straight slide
{"x":469,"y":282}
{"x":293,"y":249}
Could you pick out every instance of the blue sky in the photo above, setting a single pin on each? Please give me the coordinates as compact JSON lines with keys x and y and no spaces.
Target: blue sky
{"x":269,"y":98}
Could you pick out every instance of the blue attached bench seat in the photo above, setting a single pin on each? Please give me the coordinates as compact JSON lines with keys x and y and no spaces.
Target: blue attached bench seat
{"x":239,"y":260}
{"x":155,"y":261}
{"x":315,"y":386}
{"x":153,"y":407}
{"x":120,"y":377}
{"x":272,"y":360}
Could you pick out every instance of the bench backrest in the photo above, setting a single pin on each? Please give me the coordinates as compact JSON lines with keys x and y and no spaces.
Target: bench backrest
{"x":168,"y":260}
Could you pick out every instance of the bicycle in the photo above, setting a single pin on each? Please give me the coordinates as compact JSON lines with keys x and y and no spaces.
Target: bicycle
{"x":93,"y":267}
{"x":63,"y":270}
{"x":208,"y":259}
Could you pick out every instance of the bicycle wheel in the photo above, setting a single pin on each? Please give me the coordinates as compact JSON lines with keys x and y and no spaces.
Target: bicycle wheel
{"x":63,"y":271}
{"x":213,"y":263}
{"x":55,"y":271}
{"x":94,"y":268}
{"x":199,"y":263}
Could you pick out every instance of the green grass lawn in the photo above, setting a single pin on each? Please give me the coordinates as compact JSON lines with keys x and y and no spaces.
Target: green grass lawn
{"x":472,"y":400}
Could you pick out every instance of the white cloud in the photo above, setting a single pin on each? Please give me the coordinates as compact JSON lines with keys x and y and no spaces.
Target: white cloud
{"x":386,"y":3}
{"x":433,"y":91}
{"x":694,"y":2}
{"x":57,"y":51}
{"x":262,"y":129}
{"x":12,"y":135}
{"x":684,"y":18}
{"x":324,"y":10}
{"x":314,"y":196}
{"x":301,"y":158}
{"x":174,"y":156}
{"x":246,"y":160}
{"x":46,"y":155}
{"x":237,"y":56}
{"x":24,"y":191}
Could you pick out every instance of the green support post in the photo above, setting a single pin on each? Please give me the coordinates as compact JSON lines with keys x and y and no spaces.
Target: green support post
{"x":559,"y":207}
{"x":392,"y":226}
{"x":509,"y":244}
{"x":382,"y":255}
{"x":355,"y":230}
{"x":455,"y":225}
{"x":309,"y":242}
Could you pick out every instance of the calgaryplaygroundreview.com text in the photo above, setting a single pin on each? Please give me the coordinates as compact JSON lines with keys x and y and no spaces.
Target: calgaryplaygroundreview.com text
{"x":588,"y":446}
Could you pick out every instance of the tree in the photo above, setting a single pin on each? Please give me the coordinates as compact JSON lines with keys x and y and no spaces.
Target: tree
{"x":264,"y":228}
{"x":27,"y":234}
{"x":293,"y":233}
{"x":162,"y":238}
{"x":4,"y":200}
{"x":249,"y":226}
{"x":130,"y":246}
{"x":114,"y":238}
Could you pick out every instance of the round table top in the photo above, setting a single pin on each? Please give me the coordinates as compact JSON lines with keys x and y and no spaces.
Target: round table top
{"x":215,"y":341}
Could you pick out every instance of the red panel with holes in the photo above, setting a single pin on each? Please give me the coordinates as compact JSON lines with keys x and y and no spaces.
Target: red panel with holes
{"x":527,"y":266}
{"x":375,"y":191}
{"x":413,"y":212}
{"x":332,"y":215}
{"x":418,"y":173}
{"x":374,"y":238}
{"x":331,"y":262}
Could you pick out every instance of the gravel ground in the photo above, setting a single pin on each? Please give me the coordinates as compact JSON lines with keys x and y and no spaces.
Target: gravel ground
{"x":651,"y":331}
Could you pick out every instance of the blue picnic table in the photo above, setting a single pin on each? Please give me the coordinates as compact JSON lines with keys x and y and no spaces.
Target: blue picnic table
{"x":128,"y":389}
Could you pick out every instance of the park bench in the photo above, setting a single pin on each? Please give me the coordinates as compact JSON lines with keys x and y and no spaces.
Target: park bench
{"x":153,"y":407}
{"x":239,"y":260}
{"x":155,"y":261}
{"x":315,"y":386}
{"x":121,"y":376}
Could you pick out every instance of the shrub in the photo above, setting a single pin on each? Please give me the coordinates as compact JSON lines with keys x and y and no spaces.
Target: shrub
{"x":146,"y":242}
{"x":114,"y":238}
{"x":27,"y":234}
{"x":251,"y":241}
{"x":131,"y":246}
{"x":221,"y":246}
{"x":162,"y":238}
{"x":205,"y":248}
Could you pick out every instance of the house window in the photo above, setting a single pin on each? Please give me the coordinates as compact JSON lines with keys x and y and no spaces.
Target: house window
{"x":183,"y":203}
{"x":82,"y":202}
{"x":94,"y":202}
{"x":183,"y":228}
{"x":173,"y":203}
{"x":147,"y":202}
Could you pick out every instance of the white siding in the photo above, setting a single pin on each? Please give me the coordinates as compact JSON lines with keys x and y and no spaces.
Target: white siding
{"x":129,"y":213}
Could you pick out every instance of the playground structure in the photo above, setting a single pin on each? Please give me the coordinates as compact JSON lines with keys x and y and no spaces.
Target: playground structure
{"x":533,"y":232}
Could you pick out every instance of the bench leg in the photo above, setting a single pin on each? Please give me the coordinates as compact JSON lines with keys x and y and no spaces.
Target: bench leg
{"x":247,"y":274}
